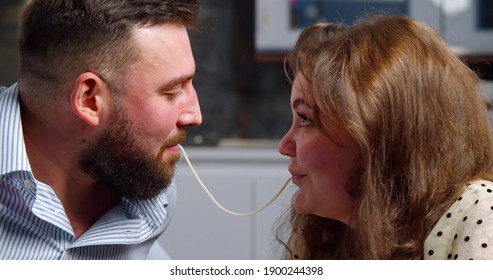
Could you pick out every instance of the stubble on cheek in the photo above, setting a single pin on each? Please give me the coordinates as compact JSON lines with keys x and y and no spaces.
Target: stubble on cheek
{"x":168,"y":162}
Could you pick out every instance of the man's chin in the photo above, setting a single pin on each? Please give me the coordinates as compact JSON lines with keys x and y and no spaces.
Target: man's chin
{"x":147,"y":195}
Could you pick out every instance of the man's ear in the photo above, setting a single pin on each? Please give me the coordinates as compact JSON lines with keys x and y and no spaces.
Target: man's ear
{"x":90,"y":98}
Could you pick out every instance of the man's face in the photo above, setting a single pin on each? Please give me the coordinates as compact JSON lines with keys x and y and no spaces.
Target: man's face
{"x":127,"y":167}
{"x":136,"y":154}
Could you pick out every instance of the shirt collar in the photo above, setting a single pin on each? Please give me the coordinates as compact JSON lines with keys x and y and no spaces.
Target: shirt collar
{"x":152,"y":210}
{"x":12,"y":147}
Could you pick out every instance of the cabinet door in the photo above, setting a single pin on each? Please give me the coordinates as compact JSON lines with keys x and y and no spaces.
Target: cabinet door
{"x":241,"y":182}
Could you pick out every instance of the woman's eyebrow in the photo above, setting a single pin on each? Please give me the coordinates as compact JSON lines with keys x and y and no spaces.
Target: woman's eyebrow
{"x":300,"y":102}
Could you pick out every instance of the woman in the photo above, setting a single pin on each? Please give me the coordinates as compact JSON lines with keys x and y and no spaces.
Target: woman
{"x":388,"y":133}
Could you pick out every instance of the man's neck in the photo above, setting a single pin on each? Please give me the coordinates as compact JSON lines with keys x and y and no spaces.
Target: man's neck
{"x":53,"y":159}
{"x":84,"y":208}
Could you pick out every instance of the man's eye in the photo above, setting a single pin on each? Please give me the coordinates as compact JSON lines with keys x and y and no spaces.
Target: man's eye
{"x":172,"y":94}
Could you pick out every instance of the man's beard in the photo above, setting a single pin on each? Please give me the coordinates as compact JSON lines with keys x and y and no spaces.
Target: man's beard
{"x":121,"y":162}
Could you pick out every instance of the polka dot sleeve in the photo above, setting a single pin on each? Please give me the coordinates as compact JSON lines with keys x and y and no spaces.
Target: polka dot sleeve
{"x":475,"y":235}
{"x":465,"y":231}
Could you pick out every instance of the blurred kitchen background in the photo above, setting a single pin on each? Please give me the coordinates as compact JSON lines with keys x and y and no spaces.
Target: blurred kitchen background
{"x":239,"y":46}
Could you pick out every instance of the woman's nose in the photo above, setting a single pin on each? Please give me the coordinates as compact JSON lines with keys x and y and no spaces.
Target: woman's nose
{"x":287,"y":145}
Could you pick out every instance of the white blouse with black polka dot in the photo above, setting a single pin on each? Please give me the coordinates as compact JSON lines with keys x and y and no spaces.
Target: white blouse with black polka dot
{"x":465,"y":231}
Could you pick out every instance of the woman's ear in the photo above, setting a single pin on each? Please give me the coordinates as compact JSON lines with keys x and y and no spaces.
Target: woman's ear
{"x":90,"y":98}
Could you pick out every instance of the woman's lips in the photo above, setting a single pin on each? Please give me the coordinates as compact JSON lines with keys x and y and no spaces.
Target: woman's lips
{"x":296,"y":176}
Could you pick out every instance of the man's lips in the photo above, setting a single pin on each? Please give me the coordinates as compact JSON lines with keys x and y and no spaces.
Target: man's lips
{"x":171,"y":145}
{"x":169,"y":149}
{"x":174,"y":149}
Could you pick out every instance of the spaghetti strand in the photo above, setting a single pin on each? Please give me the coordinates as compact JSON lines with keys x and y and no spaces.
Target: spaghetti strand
{"x":184,"y":153}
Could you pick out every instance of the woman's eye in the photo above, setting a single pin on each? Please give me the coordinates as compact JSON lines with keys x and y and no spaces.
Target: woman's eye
{"x":304,"y":120}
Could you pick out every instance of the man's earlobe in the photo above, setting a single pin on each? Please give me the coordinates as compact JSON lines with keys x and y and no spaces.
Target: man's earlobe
{"x":88,"y":98}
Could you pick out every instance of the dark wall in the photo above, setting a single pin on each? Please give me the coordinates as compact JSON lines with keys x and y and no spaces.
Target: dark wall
{"x":239,"y":97}
{"x":9,"y":26}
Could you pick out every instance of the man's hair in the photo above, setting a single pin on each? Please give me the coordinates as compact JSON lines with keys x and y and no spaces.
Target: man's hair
{"x":60,"y":39}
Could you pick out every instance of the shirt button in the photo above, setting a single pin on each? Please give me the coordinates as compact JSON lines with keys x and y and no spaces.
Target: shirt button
{"x":28,"y":184}
{"x":67,"y":254}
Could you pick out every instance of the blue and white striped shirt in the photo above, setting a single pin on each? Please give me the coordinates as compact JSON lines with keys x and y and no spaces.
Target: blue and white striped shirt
{"x":33,"y":223}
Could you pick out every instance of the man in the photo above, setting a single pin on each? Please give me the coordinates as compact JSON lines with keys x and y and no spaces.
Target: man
{"x":89,"y":135}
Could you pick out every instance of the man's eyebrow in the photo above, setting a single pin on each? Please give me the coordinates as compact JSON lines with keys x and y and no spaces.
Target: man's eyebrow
{"x":174,"y":82}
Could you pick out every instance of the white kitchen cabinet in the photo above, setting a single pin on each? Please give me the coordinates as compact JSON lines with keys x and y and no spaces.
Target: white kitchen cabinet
{"x":242,"y":180}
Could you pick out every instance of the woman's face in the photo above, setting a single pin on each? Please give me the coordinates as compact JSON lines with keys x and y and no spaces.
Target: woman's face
{"x":320,"y":167}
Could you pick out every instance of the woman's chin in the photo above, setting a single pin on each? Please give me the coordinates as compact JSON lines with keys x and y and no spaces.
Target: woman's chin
{"x":299,"y":204}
